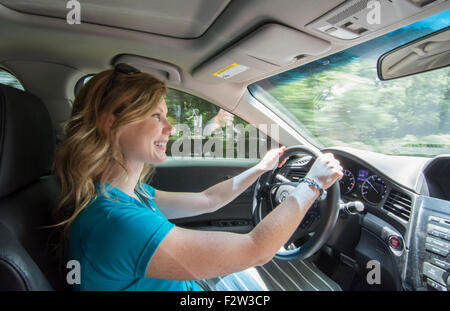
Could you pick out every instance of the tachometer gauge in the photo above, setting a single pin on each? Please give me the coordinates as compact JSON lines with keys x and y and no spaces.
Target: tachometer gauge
{"x":347,"y":182}
{"x":373,"y":189}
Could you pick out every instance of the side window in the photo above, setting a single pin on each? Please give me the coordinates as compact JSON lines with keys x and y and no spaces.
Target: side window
{"x":9,"y":79}
{"x":205,"y":130}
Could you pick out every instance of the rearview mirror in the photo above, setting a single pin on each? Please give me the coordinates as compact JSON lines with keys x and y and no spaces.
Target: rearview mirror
{"x":424,"y":54}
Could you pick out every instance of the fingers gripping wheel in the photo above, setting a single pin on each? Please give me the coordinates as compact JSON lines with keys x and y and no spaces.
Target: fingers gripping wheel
{"x":304,"y":242}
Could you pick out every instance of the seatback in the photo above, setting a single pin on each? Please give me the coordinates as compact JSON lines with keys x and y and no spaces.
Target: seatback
{"x":28,"y":194}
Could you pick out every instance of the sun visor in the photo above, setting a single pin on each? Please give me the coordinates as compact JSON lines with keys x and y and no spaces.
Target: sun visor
{"x":269,"y":48}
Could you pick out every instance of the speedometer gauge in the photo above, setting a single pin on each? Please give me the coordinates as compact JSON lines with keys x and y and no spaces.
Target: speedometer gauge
{"x":347,"y":182}
{"x":373,"y":189}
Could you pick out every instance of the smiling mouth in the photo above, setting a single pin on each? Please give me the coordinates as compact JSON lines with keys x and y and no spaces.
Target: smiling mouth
{"x":160,"y":144}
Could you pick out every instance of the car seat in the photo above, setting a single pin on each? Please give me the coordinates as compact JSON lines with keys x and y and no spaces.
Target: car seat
{"x":28,"y":193}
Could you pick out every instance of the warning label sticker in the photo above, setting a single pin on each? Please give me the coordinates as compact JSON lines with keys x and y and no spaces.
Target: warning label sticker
{"x":230,"y":71}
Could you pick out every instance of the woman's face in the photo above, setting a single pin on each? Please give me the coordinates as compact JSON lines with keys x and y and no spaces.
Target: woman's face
{"x":145,"y":141}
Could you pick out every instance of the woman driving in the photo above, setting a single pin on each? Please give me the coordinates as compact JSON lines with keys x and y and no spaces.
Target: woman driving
{"x":117,"y":227}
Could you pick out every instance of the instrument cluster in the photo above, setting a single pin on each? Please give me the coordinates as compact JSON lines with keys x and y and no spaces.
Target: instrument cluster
{"x":360,"y":183}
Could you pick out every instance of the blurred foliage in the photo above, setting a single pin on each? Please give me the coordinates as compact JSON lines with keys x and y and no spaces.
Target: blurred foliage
{"x":339,"y":101}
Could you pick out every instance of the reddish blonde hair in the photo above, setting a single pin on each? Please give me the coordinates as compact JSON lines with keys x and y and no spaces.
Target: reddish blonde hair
{"x":89,"y":151}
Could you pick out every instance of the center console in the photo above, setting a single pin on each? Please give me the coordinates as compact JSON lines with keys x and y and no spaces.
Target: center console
{"x":428,"y":261}
{"x":436,"y":265}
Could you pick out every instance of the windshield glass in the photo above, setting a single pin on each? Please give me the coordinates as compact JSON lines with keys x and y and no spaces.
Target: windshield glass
{"x":339,"y":100}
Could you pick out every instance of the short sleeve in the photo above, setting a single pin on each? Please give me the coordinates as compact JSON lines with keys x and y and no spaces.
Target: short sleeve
{"x":123,"y":244}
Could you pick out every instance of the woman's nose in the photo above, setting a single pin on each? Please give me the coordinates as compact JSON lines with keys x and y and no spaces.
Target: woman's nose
{"x":169,"y":128}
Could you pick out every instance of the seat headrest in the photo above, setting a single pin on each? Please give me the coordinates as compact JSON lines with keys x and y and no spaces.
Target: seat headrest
{"x":27,"y":139}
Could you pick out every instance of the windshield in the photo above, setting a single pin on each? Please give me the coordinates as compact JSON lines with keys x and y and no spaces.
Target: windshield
{"x":339,"y":100}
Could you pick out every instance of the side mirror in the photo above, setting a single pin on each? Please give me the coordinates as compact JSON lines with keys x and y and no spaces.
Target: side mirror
{"x":424,"y":54}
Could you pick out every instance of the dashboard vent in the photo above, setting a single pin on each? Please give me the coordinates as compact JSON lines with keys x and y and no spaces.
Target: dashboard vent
{"x":399,"y":204}
{"x":296,"y":174}
{"x":302,"y":161}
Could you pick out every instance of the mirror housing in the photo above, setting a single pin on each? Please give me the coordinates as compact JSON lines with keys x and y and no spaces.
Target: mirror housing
{"x":424,"y":54}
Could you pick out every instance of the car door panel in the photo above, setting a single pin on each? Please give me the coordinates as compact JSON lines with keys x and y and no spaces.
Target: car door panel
{"x":196,"y":175}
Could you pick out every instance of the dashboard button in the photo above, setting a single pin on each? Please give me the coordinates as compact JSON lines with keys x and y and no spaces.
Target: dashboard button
{"x":434,"y":272}
{"x":436,"y":250}
{"x":440,"y":229}
{"x":434,"y":219}
{"x":435,"y":233}
{"x":436,"y":285}
{"x":439,"y":243}
{"x":445,"y":222}
{"x":395,"y":242}
{"x":440,"y":263}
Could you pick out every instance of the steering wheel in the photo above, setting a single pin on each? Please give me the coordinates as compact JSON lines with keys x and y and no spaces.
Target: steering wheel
{"x":318,"y":223}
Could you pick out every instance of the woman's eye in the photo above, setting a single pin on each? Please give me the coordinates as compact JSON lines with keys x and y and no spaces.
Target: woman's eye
{"x":157,"y":116}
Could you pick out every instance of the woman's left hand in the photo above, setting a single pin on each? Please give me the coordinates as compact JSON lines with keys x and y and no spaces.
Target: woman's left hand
{"x":270,"y":159}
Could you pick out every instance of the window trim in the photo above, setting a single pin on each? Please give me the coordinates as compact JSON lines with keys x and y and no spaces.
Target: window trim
{"x":80,"y":83}
{"x":15,"y":76}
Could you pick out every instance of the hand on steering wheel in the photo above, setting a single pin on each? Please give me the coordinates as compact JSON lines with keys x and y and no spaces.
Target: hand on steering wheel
{"x":325,"y":172}
{"x":271,"y":159}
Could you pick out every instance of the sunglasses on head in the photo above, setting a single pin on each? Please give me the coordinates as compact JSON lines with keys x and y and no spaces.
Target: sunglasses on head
{"x":120,"y":68}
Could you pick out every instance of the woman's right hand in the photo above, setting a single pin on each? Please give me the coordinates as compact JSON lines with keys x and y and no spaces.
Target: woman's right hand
{"x":325,"y":170}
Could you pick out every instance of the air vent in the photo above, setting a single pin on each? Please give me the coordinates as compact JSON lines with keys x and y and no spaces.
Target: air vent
{"x":399,"y":204}
{"x":296,"y":174}
{"x":302,"y":161}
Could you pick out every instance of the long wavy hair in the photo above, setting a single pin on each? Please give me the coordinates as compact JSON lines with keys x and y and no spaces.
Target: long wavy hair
{"x":90,"y":150}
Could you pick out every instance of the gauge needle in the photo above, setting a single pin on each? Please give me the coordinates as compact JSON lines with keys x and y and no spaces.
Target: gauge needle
{"x":372,"y":186}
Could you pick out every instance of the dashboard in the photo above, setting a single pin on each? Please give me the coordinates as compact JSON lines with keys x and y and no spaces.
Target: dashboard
{"x":363,"y":182}
{"x":375,"y":190}
{"x":406,"y":219}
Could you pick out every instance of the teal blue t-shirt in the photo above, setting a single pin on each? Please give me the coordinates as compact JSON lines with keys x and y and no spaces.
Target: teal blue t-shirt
{"x":114,"y":239}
